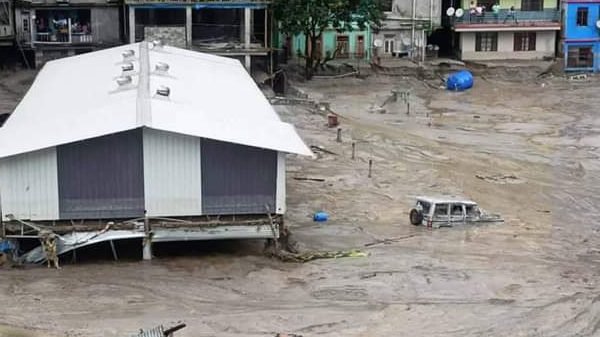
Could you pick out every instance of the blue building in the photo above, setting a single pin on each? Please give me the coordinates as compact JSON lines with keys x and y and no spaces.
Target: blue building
{"x":581,"y":35}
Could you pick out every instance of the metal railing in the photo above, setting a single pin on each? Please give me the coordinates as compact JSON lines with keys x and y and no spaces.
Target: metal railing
{"x":506,"y":17}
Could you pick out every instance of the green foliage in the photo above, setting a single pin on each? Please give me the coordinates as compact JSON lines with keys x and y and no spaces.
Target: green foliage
{"x":312,"y":17}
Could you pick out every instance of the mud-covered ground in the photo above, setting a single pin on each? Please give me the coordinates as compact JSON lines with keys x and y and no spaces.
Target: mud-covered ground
{"x":536,"y":274}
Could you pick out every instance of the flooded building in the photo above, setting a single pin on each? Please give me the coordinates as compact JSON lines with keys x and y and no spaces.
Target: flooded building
{"x":404,"y":30}
{"x":581,"y":35}
{"x":157,"y":137}
{"x":52,"y":29}
{"x":236,"y":28}
{"x":526,"y":29}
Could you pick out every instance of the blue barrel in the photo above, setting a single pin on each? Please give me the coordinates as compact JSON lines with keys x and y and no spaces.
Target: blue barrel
{"x":321,"y":217}
{"x":460,"y":80}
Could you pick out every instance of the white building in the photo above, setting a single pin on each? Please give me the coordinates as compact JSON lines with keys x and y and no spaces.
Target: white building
{"x":145,"y":130}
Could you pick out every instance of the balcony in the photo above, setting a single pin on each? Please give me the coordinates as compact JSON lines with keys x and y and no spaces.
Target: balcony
{"x":62,"y":27}
{"x":504,"y":21}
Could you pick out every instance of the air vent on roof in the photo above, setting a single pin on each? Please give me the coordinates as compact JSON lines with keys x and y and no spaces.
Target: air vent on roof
{"x":162,"y":67}
{"x":128,"y":66}
{"x":163,"y":91}
{"x":156,"y":44}
{"x":124,"y":80}
{"x":128,"y":54}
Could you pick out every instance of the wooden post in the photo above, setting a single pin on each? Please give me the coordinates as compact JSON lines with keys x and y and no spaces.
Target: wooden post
{"x":353,"y":150}
{"x":339,"y":135}
{"x":408,"y":108}
{"x":370,"y":167}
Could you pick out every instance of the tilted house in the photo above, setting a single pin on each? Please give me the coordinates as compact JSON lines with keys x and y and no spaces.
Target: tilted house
{"x":143,"y":129}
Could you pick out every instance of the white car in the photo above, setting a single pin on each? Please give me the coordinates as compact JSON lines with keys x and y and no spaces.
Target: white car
{"x":446,"y":212}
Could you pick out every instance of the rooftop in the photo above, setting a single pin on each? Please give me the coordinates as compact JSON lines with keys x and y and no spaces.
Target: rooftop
{"x":127,"y":87}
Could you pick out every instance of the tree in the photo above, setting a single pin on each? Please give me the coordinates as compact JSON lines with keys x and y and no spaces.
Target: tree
{"x":313,"y":17}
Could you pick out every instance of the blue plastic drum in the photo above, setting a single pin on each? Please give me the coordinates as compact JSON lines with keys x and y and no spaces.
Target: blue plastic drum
{"x":460,"y":80}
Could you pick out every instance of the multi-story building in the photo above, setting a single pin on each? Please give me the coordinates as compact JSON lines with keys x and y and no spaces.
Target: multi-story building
{"x":520,"y":29}
{"x":233,"y":28}
{"x":405,"y":28}
{"x":52,"y":29}
{"x":6,"y":23}
{"x":581,"y":35}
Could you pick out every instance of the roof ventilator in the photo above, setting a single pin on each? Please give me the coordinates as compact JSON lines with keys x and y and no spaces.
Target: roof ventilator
{"x":124,"y":80}
{"x":156,"y":44}
{"x":127,"y":67}
{"x":163,"y":91}
{"x":162,"y":68}
{"x":128,"y":54}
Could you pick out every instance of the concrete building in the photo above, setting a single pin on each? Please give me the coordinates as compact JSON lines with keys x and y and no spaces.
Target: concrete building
{"x":146,"y":131}
{"x":530,"y":32}
{"x":51,"y":29}
{"x":351,"y":44}
{"x":236,"y":28}
{"x":406,"y":27}
{"x":581,"y":35}
{"x":7,"y":33}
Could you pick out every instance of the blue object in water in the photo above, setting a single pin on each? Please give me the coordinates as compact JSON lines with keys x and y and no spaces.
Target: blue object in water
{"x":6,"y":246}
{"x":460,"y":80}
{"x":321,"y":217}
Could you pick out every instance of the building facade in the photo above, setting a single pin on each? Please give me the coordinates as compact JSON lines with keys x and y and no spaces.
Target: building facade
{"x":405,"y":28}
{"x":6,"y":23}
{"x":529,"y":31}
{"x":581,"y":35}
{"x":51,"y":29}
{"x":350,"y":45}
{"x":235,"y":28}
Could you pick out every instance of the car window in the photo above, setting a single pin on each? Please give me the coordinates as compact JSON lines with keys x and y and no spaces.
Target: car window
{"x":425,"y":206}
{"x":471,"y":210}
{"x":441,"y":209}
{"x":457,"y":209}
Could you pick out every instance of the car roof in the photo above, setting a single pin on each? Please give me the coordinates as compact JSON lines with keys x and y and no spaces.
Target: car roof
{"x":446,"y":200}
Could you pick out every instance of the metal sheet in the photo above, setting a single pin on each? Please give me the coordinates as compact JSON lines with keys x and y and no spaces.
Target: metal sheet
{"x":102,"y":177}
{"x":29,"y":185}
{"x":237,"y":179}
{"x":216,"y":233}
{"x":172,"y":180}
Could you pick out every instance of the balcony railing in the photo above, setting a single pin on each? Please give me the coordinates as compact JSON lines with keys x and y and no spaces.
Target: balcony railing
{"x":517,"y":18}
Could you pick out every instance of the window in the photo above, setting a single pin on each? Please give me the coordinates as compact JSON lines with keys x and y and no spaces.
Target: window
{"x":342,"y":46}
{"x":525,"y":41}
{"x":487,"y":41}
{"x":457,"y":210}
{"x":441,"y":209}
{"x":388,"y":46}
{"x":580,"y":57}
{"x":582,"y":16}
{"x":532,"y":5}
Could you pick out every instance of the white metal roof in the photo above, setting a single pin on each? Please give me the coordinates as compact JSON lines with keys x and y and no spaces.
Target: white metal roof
{"x":78,"y":98}
{"x":445,"y":200}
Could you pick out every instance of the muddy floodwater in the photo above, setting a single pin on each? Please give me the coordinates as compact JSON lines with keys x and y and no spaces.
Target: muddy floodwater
{"x":524,"y":147}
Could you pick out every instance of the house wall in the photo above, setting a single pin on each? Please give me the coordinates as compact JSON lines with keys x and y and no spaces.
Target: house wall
{"x":105,"y":25}
{"x":505,"y":4}
{"x":571,"y":31}
{"x":545,"y":46}
{"x":172,"y":174}
{"x":102,"y":178}
{"x":329,"y":43}
{"x":29,"y":185}
{"x":424,"y":10}
{"x":237,"y":179}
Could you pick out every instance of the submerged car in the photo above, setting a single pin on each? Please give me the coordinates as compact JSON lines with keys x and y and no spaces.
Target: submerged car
{"x":446,"y":212}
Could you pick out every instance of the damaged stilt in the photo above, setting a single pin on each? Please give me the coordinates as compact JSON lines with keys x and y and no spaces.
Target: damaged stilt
{"x":147,"y":249}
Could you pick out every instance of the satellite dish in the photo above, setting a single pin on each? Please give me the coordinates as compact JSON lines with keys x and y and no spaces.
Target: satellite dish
{"x":459,"y":13}
{"x":378,"y":43}
{"x":450,"y":11}
{"x":598,"y":24}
